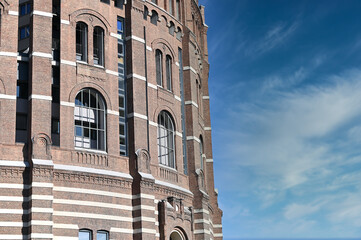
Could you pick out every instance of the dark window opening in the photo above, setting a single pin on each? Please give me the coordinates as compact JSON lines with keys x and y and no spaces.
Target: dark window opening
{"x":98,"y":46}
{"x":24,"y":32}
{"x":169,"y":72}
{"x":154,"y":17}
{"x":119,"y":3}
{"x":81,"y":41}
{"x":159,"y":67}
{"x":25,"y":9}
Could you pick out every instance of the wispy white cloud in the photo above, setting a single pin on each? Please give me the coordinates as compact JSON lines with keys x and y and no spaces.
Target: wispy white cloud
{"x":273,"y":37}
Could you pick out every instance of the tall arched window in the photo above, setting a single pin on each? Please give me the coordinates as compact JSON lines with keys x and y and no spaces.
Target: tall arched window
{"x":168,"y":64}
{"x":154,"y":17}
{"x":145,"y":13}
{"x":98,"y":46}
{"x":159,"y":66}
{"x":166,"y":140}
{"x":90,"y":120}
{"x":177,"y":10}
{"x":81,"y":41}
{"x":179,"y":33}
{"x":171,"y":28}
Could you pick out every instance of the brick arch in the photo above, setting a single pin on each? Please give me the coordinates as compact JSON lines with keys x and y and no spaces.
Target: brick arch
{"x":83,"y":85}
{"x":180,"y":232}
{"x":91,"y":18}
{"x":164,"y":46}
{"x":171,"y":113}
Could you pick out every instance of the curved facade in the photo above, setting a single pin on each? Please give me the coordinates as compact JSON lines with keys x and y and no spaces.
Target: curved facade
{"x":105,"y":124}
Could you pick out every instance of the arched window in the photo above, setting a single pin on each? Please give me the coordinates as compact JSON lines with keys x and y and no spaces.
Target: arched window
{"x":168,"y":64}
{"x":166,"y":140}
{"x":98,"y":46}
{"x":81,"y":41}
{"x":102,"y":235}
{"x":85,"y":234}
{"x":171,"y":28}
{"x":145,"y":13}
{"x":170,"y":6}
{"x":201,"y":151}
{"x":90,"y":120}
{"x":154,"y":17}
{"x":159,"y":66}
{"x":177,"y":10}
{"x":179,"y":33}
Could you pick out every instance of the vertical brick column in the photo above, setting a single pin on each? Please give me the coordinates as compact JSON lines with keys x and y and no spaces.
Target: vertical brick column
{"x":8,"y":61}
{"x":40,"y":115}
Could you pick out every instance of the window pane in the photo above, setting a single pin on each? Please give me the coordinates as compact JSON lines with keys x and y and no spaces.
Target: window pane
{"x":84,"y":235}
{"x":102,"y":235}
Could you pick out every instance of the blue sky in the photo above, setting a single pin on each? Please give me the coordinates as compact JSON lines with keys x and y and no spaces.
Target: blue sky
{"x":285,"y":88}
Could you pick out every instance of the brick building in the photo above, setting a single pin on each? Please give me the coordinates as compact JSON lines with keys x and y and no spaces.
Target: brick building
{"x":104,"y":118}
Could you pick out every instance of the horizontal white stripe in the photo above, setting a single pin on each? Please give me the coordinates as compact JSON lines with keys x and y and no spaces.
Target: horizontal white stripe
{"x":205,"y":97}
{"x":41,"y":210}
{"x":152,"y":86}
{"x":11,"y":237}
{"x":42,"y":197}
{"x":92,"y":216}
{"x":66,"y":62}
{"x":14,"y":163}
{"x":177,"y":64}
{"x":40,"y":235}
{"x":65,"y":226}
{"x":41,"y":54}
{"x":63,"y":21}
{"x":144,"y":219}
{"x":14,"y":13}
{"x":41,"y":13}
{"x":116,"y":35}
{"x":173,"y":186}
{"x":138,"y":115}
{"x":217,"y":226}
{"x":179,"y":134}
{"x":186,"y":68}
{"x":43,"y":162}
{"x":201,"y":211}
{"x":177,"y":98}
{"x":112,"y":72}
{"x":142,"y":195}
{"x":202,"y":231}
{"x":13,"y":199}
{"x":93,"y":204}
{"x":193,"y":138}
{"x":65,"y":238}
{"x":40,"y":97}
{"x":121,"y":230}
{"x":93,"y":192}
{"x":153,"y":124}
{"x":135,"y":38}
{"x":90,"y":150}
{"x":67,"y":104}
{"x":92,"y":170}
{"x":191,"y":103}
{"x":41,"y":223}
{"x":42,"y":184}
{"x":143,"y":207}
{"x":112,"y":112}
{"x":218,"y":235}
{"x":134,"y":75}
{"x":149,"y":48}
{"x":207,"y":128}
{"x":209,"y":160}
{"x":146,"y":175}
{"x":201,"y":221}
{"x":156,"y":212}
{"x":145,"y":230}
{"x":8,"y":54}
{"x":26,"y":211}
{"x":13,"y":186}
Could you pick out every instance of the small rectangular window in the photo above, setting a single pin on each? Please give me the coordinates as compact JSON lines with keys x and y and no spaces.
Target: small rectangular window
{"x":85,"y":234}
{"x":119,"y":3}
{"x":25,"y":9}
{"x":24,"y":32}
{"x":55,"y":126}
{"x":102,"y":235}
{"x":105,"y":1}
{"x":120,"y":26}
{"x":21,"y":121}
